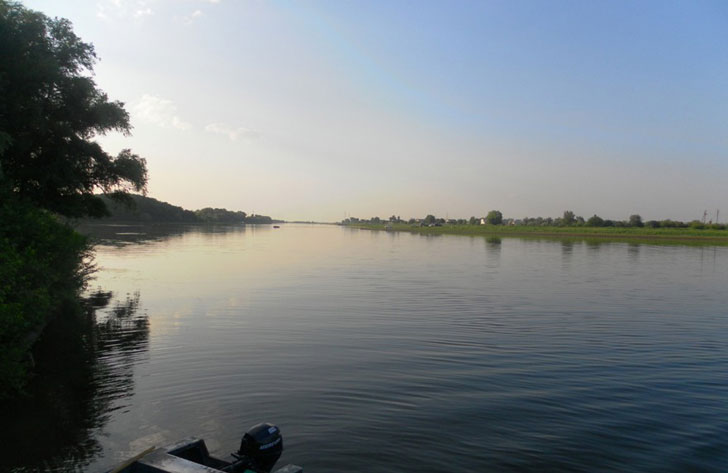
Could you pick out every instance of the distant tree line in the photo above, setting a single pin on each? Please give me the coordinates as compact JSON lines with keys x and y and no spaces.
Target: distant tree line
{"x":259,"y":219}
{"x":144,"y":209}
{"x":568,"y":219}
{"x":210,"y":215}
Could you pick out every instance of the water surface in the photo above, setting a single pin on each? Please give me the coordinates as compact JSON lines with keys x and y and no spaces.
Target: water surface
{"x":379,"y":352}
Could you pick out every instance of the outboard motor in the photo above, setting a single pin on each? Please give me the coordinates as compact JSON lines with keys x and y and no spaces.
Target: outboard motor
{"x":262,"y":446}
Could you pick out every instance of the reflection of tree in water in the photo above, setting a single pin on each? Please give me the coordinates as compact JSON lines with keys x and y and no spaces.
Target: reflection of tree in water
{"x":120,"y":336}
{"x":84,"y":370}
{"x":493,"y":243}
{"x":120,"y":235}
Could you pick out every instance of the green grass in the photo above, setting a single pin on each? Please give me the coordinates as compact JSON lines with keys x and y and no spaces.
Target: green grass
{"x":641,"y":234}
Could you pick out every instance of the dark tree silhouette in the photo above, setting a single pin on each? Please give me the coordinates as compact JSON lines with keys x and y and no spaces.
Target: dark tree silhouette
{"x":50,"y":113}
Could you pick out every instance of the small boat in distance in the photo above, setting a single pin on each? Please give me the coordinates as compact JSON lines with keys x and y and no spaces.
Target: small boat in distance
{"x":260,"y":449}
{"x":276,"y":226}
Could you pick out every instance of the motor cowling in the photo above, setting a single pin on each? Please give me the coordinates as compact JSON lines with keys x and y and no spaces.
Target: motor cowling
{"x":262,"y":445}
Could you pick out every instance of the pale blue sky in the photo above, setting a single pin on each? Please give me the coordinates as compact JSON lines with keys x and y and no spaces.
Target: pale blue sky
{"x":308,"y":110}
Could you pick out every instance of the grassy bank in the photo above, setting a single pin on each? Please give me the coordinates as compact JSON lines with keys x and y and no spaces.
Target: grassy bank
{"x":659,"y":235}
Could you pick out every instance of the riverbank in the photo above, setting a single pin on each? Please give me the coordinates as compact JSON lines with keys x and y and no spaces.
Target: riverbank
{"x":641,"y":234}
{"x":44,"y":265}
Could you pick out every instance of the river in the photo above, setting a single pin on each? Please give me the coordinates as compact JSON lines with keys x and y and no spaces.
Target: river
{"x":392,"y":352}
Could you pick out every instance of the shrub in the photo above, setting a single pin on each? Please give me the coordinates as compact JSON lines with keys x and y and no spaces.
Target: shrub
{"x":43,"y":264}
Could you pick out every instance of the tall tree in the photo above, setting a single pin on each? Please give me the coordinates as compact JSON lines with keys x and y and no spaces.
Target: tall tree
{"x":635,"y":221}
{"x":50,"y":113}
{"x":494,"y":217}
{"x":595,"y":221}
{"x":569,"y":218}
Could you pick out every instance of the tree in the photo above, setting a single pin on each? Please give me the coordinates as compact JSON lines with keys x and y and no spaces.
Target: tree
{"x":50,"y":113}
{"x":595,"y":221}
{"x":494,"y":217}
{"x":473,"y":221}
{"x":568,"y":219}
{"x":210,"y":215}
{"x":635,"y":221}
{"x":430,"y":219}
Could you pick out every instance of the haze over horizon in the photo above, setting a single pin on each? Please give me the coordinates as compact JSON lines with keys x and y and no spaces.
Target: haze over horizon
{"x":318,"y":110}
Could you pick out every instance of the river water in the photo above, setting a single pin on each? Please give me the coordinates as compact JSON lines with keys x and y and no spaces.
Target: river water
{"x":394,"y":352}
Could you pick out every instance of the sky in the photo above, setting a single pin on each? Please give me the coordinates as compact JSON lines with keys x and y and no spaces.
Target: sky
{"x":326,"y":109}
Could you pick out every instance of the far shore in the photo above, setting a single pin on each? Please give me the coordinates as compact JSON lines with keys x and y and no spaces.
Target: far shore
{"x":643,"y":234}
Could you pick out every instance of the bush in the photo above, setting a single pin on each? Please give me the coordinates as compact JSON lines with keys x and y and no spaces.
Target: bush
{"x":672,"y":224}
{"x":42,"y":266}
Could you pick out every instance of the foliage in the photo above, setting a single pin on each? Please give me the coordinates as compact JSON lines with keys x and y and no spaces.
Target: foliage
{"x":149,"y":210}
{"x":682,"y":236}
{"x":672,"y":224}
{"x":258,"y":219}
{"x":210,"y":215}
{"x":50,"y":113}
{"x":595,"y":221}
{"x":43,"y":264}
{"x":568,"y":218}
{"x":569,"y":223}
{"x":146,"y":209}
{"x":557,"y":225}
{"x":494,"y":217}
{"x":635,"y":221}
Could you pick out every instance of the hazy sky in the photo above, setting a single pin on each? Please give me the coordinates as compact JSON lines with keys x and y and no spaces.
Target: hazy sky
{"x":310,"y":110}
